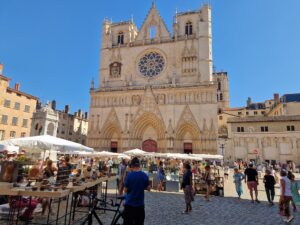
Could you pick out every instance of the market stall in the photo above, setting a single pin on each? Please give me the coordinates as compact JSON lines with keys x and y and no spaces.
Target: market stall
{"x":36,"y":188}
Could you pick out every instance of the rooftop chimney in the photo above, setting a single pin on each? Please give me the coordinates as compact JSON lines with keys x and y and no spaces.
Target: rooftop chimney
{"x":276,"y":98}
{"x":53,"y":105}
{"x":67,"y":108}
{"x":1,"y":68}
{"x":249,"y":101}
{"x":79,"y":112}
{"x":38,"y":105}
{"x":17,"y":86}
{"x":85,"y":115}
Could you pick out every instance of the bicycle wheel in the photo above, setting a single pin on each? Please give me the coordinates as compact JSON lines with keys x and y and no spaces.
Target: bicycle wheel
{"x":119,"y":220}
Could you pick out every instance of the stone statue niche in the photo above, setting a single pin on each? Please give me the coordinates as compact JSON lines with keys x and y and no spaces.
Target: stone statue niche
{"x":115,"y":70}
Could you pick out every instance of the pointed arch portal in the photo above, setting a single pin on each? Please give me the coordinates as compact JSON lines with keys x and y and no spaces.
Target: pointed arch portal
{"x":149,"y":146}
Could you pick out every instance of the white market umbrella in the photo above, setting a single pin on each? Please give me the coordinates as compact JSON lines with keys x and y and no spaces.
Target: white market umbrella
{"x":136,"y":152}
{"x":46,"y":142}
{"x":105,"y":154}
{"x":123,"y":156}
{"x":208,"y":156}
{"x":9,"y":148}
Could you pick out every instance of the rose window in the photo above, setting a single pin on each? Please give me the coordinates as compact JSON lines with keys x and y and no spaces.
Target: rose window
{"x":151,"y":64}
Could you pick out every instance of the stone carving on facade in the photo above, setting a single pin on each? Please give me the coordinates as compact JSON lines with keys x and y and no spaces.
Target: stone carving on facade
{"x":212,"y":126}
{"x":161,"y":99}
{"x":188,"y":117}
{"x":111,"y":123}
{"x":148,"y":104}
{"x":170,"y":132}
{"x":298,"y":143}
{"x":205,"y":128}
{"x":136,"y":100}
{"x":115,"y":70}
{"x":189,"y":60}
{"x":153,"y":18}
{"x":126,"y":122}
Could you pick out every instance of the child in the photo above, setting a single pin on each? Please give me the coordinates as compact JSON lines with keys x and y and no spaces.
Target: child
{"x":269,"y":181}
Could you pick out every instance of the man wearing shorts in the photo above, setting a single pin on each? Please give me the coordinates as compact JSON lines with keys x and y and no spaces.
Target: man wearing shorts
{"x":251,"y":178}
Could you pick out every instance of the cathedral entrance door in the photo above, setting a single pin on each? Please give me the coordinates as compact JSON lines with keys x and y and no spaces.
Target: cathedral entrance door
{"x":188,"y":148}
{"x":114,"y":146}
{"x":149,"y":146}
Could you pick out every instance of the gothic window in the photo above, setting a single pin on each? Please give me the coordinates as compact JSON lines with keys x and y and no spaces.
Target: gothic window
{"x":221,"y":97}
{"x":151,"y":64}
{"x":188,"y":28}
{"x":115,"y":70}
{"x":152,"y":32}
{"x":219,"y":85}
{"x":121,"y":38}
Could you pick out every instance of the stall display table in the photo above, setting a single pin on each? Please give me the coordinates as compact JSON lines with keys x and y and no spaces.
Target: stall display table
{"x":54,"y":196}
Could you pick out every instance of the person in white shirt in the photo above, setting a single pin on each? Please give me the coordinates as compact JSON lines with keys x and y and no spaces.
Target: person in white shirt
{"x":110,"y":164}
{"x":285,"y":196}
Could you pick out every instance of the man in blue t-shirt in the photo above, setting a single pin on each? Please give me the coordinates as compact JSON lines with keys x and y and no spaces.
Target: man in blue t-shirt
{"x":135,"y":184}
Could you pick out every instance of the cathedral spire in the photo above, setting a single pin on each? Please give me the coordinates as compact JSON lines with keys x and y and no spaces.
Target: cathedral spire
{"x":153,"y":4}
{"x":92,"y":84}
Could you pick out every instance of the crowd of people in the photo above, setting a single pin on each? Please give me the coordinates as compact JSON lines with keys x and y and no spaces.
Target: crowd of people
{"x":289,"y":190}
{"x":132,"y":181}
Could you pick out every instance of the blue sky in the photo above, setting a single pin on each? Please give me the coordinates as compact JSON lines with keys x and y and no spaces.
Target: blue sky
{"x":52,"y":46}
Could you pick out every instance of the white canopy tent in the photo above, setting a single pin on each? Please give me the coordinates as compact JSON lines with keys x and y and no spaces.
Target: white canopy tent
{"x":46,"y":142}
{"x":136,"y":152}
{"x":9,"y":148}
{"x":208,"y":156}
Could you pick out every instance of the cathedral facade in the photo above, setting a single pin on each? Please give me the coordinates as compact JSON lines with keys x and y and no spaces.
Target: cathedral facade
{"x":156,"y":90}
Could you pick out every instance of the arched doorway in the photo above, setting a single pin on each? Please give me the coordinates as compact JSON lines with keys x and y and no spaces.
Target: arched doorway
{"x":188,"y":148}
{"x":149,"y":146}
{"x":114,"y":146}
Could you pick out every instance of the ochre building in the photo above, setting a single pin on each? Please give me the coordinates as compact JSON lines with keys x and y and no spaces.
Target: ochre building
{"x":156,"y":90}
{"x":16,"y":110}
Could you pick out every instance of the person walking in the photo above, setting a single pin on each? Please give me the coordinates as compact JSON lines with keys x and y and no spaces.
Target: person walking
{"x":110,"y":164}
{"x":135,"y":184}
{"x":285,"y":196}
{"x":251,"y":178}
{"x":187,"y":187}
{"x":295,"y":192}
{"x":237,"y":179}
{"x":160,"y":176}
{"x":208,"y":181}
{"x":269,"y":182}
{"x":122,"y":176}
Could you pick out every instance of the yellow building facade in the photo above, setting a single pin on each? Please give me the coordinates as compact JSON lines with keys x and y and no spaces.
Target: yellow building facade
{"x":16,"y":109}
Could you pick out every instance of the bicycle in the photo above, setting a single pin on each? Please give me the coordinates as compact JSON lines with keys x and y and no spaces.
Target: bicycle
{"x":93,"y":207}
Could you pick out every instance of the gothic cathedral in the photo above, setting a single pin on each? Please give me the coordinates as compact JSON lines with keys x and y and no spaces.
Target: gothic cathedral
{"x":156,"y":89}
